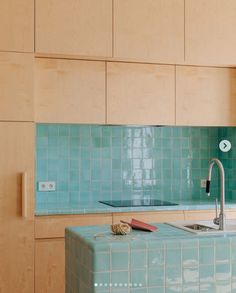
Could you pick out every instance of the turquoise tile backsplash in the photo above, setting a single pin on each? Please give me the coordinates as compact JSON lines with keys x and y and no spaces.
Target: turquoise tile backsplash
{"x":93,"y":162}
{"x":229,"y":161}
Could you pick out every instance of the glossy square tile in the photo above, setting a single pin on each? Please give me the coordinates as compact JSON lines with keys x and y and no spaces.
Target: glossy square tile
{"x":102,"y":262}
{"x":119,"y":260}
{"x":173,"y":289}
{"x":190,"y":256}
{"x":191,"y":288}
{"x":190,"y":275}
{"x":119,"y":279}
{"x":173,"y":257}
{"x":173,"y":275}
{"x":138,"y":259}
{"x":208,"y":288}
{"x":223,"y":272}
{"x":156,"y":277}
{"x":223,"y":287}
{"x":156,"y":258}
{"x":223,"y":254}
{"x":206,"y":255}
{"x":207,"y":273}
{"x":138,"y":277}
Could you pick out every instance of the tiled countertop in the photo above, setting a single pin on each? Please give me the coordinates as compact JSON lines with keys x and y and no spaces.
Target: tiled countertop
{"x":167,"y":260}
{"x":96,"y":207}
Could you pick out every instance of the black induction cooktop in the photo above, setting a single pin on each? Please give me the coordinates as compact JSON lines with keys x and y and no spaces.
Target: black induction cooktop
{"x":137,"y":203}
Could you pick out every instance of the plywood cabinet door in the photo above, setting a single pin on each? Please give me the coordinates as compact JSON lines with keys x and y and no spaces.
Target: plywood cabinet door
{"x":50,"y":266}
{"x":74,"y":27}
{"x":16,"y":214}
{"x":140,"y":94}
{"x":151,"y":30}
{"x":69,"y":91}
{"x":210,"y":32}
{"x":16,"y":86}
{"x":205,"y":96}
{"x":17,"y":25}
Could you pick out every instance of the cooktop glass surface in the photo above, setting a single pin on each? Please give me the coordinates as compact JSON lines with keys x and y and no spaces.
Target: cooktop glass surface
{"x":137,"y":203}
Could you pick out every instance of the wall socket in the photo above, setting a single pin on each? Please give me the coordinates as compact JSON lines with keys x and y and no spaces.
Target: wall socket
{"x":46,"y":186}
{"x":203,"y":183}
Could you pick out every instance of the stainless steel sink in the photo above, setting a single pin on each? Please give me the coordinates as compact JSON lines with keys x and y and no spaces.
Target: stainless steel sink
{"x":204,"y":227}
{"x":201,"y":228}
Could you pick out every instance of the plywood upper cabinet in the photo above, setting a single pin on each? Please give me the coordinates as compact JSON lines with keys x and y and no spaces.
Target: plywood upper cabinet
{"x":16,"y":86}
{"x":205,"y":96}
{"x":74,"y":27}
{"x":17,"y":25}
{"x":210,"y":32}
{"x":151,"y":30}
{"x":140,"y":94}
{"x":69,"y":91}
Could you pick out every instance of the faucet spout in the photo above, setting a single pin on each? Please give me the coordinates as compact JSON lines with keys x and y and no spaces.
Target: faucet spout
{"x":222,"y":217}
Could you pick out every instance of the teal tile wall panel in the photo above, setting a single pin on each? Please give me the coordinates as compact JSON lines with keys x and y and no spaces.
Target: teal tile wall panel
{"x":229,"y":160}
{"x":93,"y":162}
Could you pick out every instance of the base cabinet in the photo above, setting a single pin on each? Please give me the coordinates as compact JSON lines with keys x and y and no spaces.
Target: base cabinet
{"x":50,"y":266}
{"x":50,"y":248}
{"x":150,"y":217}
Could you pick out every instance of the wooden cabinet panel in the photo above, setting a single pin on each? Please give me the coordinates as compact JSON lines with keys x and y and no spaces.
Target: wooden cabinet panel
{"x":210,"y":32}
{"x":74,"y":27}
{"x":150,"y":217}
{"x":206,"y":215}
{"x":140,"y":94}
{"x":17,"y":25}
{"x":151,"y":30}
{"x":205,"y":96}
{"x":16,"y":231}
{"x":50,"y":252}
{"x":69,"y":91}
{"x":16,"y":86}
{"x":50,"y":266}
{"x":199,"y":215}
{"x":54,"y":226}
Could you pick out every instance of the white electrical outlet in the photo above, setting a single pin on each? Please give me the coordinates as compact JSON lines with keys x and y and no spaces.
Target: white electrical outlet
{"x":42,"y":186}
{"x":51,"y":186}
{"x":46,"y":186}
{"x":203,"y":183}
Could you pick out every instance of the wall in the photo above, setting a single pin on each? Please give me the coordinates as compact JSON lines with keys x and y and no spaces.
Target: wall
{"x":229,"y":161}
{"x":92,"y":162}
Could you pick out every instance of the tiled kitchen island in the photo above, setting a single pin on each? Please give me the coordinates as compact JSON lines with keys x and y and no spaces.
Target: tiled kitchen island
{"x":168,"y":260}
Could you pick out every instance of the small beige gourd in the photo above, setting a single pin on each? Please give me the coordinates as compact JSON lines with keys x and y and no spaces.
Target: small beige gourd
{"x":120,"y":229}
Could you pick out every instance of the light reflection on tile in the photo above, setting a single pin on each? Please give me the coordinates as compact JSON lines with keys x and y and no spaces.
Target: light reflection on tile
{"x":170,"y":160}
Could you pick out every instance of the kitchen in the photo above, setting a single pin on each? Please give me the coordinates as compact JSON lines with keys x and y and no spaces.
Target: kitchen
{"x":109,"y":100}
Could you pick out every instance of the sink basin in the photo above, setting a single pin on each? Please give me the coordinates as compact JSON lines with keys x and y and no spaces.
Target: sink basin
{"x":204,"y":227}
